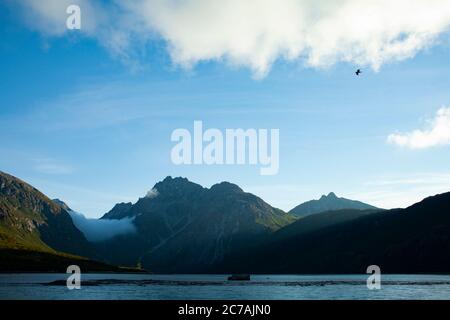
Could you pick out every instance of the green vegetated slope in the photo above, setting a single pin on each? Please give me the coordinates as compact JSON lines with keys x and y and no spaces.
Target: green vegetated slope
{"x":36,"y":234}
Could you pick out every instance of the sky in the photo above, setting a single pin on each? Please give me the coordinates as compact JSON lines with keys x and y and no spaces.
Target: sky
{"x":86,"y":115}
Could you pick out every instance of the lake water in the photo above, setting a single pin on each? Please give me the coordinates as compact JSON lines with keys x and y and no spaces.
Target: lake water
{"x":261,"y":287}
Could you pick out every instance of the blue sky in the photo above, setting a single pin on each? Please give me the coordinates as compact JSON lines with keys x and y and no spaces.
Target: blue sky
{"x":85,"y":125}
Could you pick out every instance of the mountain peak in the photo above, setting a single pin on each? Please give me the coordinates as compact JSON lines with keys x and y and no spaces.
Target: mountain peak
{"x":122,"y":206}
{"x":328,"y":202}
{"x":119,"y":211}
{"x":330,"y":196}
{"x":226,"y":187}
{"x":176,"y":187}
{"x":169,"y":179}
{"x":62,"y":204}
{"x":176,"y":180}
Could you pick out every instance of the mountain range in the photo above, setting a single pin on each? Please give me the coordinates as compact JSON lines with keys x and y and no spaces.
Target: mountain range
{"x":411,"y":240}
{"x":182,"y":227}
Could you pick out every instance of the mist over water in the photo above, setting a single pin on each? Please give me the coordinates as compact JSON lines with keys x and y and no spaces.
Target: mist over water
{"x":96,"y":230}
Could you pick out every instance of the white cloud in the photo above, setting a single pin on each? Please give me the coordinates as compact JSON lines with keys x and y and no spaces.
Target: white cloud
{"x":153,"y":193}
{"x":256,"y":33}
{"x":97,"y":230}
{"x":438,"y":133}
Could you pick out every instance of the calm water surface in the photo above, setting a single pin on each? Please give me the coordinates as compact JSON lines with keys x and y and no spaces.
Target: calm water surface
{"x":291,"y":287}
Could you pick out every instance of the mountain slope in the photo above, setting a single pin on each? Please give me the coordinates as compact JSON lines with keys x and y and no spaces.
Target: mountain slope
{"x":119,"y":211}
{"x":316,"y":222}
{"x":30,"y":220}
{"x":415,"y":239}
{"x":186,"y":227}
{"x":328,"y":202}
{"x":37,"y":234}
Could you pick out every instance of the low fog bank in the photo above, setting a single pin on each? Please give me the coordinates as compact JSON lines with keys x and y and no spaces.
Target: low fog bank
{"x":97,"y":230}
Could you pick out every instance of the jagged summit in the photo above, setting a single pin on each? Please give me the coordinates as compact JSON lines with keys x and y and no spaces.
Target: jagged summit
{"x":118,"y":211}
{"x":176,"y":187}
{"x":330,"y":195}
{"x":225,"y":187}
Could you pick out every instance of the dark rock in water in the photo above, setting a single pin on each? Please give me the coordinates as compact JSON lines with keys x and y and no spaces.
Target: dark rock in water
{"x":294,"y":283}
{"x":239,"y":277}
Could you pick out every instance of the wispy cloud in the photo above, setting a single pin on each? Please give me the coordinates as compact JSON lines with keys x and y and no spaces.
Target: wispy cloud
{"x":423,"y":179}
{"x":116,"y":103}
{"x":399,"y":191}
{"x":256,"y":33}
{"x":50,"y":166}
{"x":437,"y":133}
{"x":91,"y":107}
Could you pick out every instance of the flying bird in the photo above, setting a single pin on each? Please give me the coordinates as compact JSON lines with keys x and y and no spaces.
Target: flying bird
{"x":358,"y":72}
